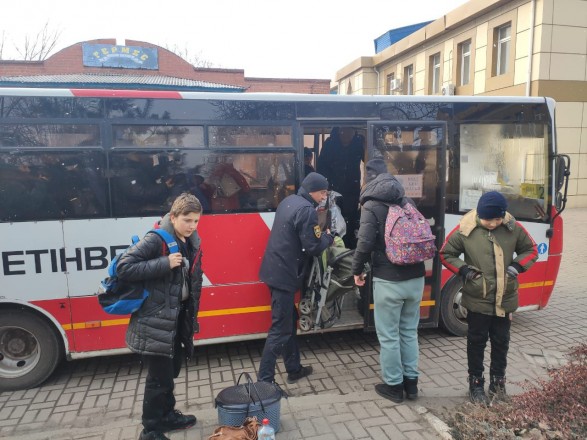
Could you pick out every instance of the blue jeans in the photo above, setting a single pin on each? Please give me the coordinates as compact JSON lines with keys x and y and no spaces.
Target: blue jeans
{"x":397,"y":314}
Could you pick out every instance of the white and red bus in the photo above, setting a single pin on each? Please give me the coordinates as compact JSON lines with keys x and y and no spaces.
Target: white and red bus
{"x":82,"y":170}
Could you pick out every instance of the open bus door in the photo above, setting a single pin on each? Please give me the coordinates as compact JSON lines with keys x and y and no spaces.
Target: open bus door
{"x":415,"y":153}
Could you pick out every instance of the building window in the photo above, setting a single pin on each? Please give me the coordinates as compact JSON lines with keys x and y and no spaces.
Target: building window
{"x":391,"y":84}
{"x":409,"y":77}
{"x":435,"y":74}
{"x":502,"y":47}
{"x":464,"y":51}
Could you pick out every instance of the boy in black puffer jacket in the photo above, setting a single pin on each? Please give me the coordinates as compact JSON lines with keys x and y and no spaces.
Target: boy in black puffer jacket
{"x":162,"y":330}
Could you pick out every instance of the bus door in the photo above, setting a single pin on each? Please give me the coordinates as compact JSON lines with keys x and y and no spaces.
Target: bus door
{"x":415,"y":153}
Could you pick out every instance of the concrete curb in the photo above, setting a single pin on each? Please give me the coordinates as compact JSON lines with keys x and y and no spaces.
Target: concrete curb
{"x":438,"y":425}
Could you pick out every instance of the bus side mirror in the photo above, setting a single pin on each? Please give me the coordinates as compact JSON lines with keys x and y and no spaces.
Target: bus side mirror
{"x":562,"y":167}
{"x":558,"y":200}
{"x":561,"y":171}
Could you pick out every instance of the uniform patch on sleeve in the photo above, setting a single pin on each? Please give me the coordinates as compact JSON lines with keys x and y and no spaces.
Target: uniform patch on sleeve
{"x":317,"y":231}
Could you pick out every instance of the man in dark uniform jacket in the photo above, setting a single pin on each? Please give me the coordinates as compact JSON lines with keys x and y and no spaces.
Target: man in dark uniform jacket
{"x":294,"y":237}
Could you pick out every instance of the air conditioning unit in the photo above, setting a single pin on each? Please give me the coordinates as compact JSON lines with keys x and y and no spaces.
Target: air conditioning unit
{"x":395,"y":85}
{"x":448,"y":89}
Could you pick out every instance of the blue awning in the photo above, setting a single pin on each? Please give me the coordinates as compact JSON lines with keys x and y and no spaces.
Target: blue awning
{"x":395,"y":35}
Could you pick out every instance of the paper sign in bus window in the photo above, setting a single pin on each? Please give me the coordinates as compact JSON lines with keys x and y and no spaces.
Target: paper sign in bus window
{"x":412,"y":183}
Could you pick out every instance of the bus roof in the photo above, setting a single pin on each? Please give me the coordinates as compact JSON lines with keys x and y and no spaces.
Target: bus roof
{"x":288,"y":97}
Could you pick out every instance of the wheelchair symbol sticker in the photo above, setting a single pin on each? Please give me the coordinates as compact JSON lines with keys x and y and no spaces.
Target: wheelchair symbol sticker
{"x":542,"y":248}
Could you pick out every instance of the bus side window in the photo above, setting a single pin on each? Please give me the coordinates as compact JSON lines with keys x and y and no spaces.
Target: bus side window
{"x":140,"y":183}
{"x":53,"y":186}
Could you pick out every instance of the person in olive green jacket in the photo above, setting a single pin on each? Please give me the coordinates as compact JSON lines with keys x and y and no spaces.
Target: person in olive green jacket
{"x":487,"y":238}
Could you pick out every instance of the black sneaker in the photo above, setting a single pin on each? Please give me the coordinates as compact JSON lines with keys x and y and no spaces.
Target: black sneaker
{"x":395,"y":393}
{"x":303,"y":372}
{"x":176,"y":420}
{"x":152,"y":435}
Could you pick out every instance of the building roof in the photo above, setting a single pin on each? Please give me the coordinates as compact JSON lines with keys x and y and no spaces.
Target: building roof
{"x":113,"y":81}
{"x":394,"y":35}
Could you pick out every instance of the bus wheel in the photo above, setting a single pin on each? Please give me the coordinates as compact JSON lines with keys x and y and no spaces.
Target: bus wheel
{"x":30,"y":350}
{"x":453,"y":316}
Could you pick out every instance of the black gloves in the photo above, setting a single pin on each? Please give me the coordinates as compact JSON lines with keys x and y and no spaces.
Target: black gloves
{"x":514,"y":269}
{"x":512,"y":272}
{"x":468,"y":274}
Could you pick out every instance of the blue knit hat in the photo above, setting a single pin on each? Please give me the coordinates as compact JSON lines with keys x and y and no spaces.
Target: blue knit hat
{"x":491,"y":205}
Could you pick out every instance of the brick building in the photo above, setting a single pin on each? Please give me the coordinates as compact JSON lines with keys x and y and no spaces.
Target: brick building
{"x":140,"y":65}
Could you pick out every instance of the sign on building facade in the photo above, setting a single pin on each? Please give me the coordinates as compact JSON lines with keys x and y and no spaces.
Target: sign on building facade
{"x":126,"y":57}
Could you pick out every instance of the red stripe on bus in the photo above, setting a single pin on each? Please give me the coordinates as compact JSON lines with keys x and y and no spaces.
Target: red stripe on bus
{"x":101,"y":93}
{"x":534,"y":253}
{"x":445,"y":263}
{"x":556,"y":242}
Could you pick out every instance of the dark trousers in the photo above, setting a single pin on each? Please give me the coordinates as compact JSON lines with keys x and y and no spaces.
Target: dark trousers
{"x":350,"y":212}
{"x":482,"y":327}
{"x":159,"y":399}
{"x":281,"y":339}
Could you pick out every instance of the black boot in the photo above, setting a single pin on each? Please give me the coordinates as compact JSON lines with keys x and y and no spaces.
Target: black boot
{"x":497,"y":388}
{"x":395,"y":393}
{"x":302,"y":372}
{"x":477,"y":390}
{"x":411,"y":387}
{"x":152,"y":435}
{"x":175,"y":420}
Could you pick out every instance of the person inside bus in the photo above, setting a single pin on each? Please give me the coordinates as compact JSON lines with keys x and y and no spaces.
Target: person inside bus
{"x":308,"y":157}
{"x":397,"y":290}
{"x":41,"y":196}
{"x":230,"y":187}
{"x":80,"y":185}
{"x":162,"y":330}
{"x":198,"y":187}
{"x":295,"y":236}
{"x":59,"y":178}
{"x":487,"y":238}
{"x":282,"y":181}
{"x":340,"y":162}
{"x":141,"y":185}
{"x":183,"y":182}
{"x":25,"y":195}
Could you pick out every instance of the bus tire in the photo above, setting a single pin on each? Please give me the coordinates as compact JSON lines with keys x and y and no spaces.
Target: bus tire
{"x":30,"y":350}
{"x":453,"y":317}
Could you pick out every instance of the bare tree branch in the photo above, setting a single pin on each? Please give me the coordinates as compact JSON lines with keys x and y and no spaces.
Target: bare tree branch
{"x":39,"y":46}
{"x":2,"y":40}
{"x":194,"y":59}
